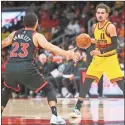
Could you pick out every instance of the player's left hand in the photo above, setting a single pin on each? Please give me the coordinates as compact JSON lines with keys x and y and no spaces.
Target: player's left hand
{"x":93,"y":41}
{"x":95,"y":52}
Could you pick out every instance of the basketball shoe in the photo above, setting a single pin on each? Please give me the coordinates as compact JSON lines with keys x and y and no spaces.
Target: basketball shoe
{"x":75,"y":113}
{"x":57,"y":120}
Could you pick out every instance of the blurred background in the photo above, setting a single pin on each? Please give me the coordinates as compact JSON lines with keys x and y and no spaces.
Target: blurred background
{"x":60,"y":22}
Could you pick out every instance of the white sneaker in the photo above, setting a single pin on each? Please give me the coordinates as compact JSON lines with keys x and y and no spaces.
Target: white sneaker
{"x":57,"y":120}
{"x":76,"y":95}
{"x":75,"y":113}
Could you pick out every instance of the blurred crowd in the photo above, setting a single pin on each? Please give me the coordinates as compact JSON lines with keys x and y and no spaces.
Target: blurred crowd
{"x":61,"y":22}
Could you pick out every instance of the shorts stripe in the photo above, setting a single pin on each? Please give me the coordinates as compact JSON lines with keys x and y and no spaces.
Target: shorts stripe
{"x":17,"y":89}
{"x":37,"y":90}
{"x":116,"y":79}
{"x":93,"y":77}
{"x":108,"y":55}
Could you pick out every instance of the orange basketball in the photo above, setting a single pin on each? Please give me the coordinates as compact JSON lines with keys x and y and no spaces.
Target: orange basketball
{"x":83,"y":41}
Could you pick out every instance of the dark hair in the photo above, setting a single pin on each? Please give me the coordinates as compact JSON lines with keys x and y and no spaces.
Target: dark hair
{"x":30,"y":19}
{"x":103,"y":6}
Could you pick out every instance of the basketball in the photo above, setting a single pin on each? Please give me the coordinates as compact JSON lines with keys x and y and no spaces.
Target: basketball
{"x":83,"y":41}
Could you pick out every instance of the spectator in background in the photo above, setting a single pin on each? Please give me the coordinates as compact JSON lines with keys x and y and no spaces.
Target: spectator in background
{"x":73,"y":28}
{"x":69,"y":13}
{"x":73,"y":81}
{"x":63,"y":21}
{"x":67,"y":82}
{"x":58,"y":79}
{"x":42,"y":60}
{"x":56,"y":31}
{"x":76,"y":70}
{"x":5,"y":32}
{"x":20,"y":23}
{"x":46,"y":65}
{"x":40,"y":63}
{"x":50,"y":66}
{"x":115,"y":17}
{"x":121,"y":34}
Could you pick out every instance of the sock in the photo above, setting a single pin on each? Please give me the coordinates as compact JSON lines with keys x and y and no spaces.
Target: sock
{"x":54,"y":110}
{"x":79,"y":104}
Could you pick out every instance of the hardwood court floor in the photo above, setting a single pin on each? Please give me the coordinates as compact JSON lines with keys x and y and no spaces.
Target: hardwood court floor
{"x":35,"y":111}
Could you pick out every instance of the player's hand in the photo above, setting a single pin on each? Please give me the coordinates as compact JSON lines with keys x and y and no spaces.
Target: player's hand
{"x":71,"y":77}
{"x":93,"y":40}
{"x":75,"y":56}
{"x":95,"y":52}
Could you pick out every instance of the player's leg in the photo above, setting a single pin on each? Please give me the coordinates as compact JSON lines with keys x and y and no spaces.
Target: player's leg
{"x":114,"y":73}
{"x":33,"y":80}
{"x":93,"y":74}
{"x":9,"y":83}
{"x":67,"y":84}
{"x":5,"y":97}
{"x":52,"y":101}
{"x":51,"y":97}
{"x":6,"y":92}
{"x":84,"y":89}
{"x":100,"y":86}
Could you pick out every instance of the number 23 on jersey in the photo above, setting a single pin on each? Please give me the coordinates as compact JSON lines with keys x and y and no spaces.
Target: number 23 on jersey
{"x":16,"y":46}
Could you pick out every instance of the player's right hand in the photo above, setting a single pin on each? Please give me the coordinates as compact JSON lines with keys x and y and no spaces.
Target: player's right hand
{"x":75,"y":56}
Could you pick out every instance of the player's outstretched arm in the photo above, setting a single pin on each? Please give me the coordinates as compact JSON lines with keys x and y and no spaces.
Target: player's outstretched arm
{"x":55,"y":49}
{"x":8,"y":40}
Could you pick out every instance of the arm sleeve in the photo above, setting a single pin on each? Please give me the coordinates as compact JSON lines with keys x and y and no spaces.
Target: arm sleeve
{"x":92,"y":35}
{"x":112,"y":47}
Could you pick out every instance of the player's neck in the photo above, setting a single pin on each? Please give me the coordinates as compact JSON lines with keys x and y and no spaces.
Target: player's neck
{"x":101,"y":24}
{"x":27,"y":28}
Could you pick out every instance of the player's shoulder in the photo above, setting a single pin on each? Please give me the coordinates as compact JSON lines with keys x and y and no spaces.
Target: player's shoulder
{"x":111,"y":26}
{"x":36,"y":34}
{"x":11,"y":35}
{"x":94,"y":25}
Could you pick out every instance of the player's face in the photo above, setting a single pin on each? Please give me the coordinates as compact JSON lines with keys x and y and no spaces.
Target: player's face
{"x":101,"y":14}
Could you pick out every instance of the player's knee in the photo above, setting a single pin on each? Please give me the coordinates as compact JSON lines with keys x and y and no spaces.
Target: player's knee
{"x":48,"y":87}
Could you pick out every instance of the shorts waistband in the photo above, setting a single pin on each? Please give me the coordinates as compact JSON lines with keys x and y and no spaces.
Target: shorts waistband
{"x":108,"y":55}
